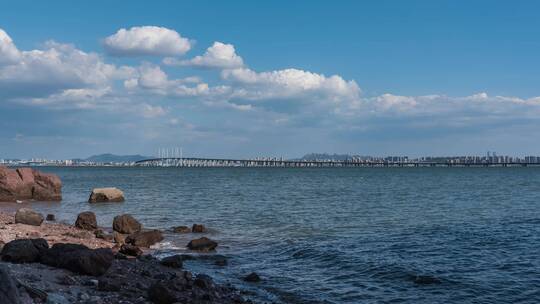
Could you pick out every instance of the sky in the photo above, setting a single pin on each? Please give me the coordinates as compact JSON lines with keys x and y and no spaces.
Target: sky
{"x":269,"y":78}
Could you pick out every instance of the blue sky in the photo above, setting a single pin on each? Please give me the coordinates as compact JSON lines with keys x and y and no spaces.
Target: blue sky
{"x":249,"y":78}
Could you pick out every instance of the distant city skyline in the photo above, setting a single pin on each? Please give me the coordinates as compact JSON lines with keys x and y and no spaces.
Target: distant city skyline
{"x":242,"y":79}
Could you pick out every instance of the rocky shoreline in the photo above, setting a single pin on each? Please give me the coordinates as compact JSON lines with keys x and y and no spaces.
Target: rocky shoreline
{"x":49,"y":262}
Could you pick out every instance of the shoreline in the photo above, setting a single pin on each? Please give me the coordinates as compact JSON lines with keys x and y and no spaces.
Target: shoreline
{"x":132,"y":277}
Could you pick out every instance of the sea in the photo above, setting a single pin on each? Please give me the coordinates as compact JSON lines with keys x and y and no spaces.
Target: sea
{"x":338,"y":235}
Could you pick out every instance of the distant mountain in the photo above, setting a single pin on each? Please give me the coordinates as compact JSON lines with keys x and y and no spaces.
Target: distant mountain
{"x":111,"y":158}
{"x":326,"y":156}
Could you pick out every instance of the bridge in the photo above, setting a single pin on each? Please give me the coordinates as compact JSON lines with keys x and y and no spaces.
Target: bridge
{"x":280,"y":163}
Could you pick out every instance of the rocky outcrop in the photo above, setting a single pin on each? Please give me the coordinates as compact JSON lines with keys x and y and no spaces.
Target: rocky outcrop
{"x":202,"y":244}
{"x":28,"y":217}
{"x":175,"y":261}
{"x":198,"y":228}
{"x":126,"y":224}
{"x":28,"y":184}
{"x":130,"y":250}
{"x":86,"y":220}
{"x":24,"y":250}
{"x":252,"y":278}
{"x":145,"y":239}
{"x":103,"y":195}
{"x":181,"y":229}
{"x":78,"y":258}
{"x":9,"y":294}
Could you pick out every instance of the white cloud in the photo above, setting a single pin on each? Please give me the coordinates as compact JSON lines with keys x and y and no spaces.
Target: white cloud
{"x":149,"y":111}
{"x":219,"y":55}
{"x":8,"y":51}
{"x":146,"y":40}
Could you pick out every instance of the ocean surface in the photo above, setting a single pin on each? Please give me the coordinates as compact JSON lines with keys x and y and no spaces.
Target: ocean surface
{"x":356,"y":235}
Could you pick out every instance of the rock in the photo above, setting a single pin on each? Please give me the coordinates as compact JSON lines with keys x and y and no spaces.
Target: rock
{"x":181,"y":229}
{"x":145,"y":239}
{"x":9,"y":293}
{"x":252,"y":277}
{"x":27,"y":184}
{"x":131,"y":250}
{"x":203,"y":281}
{"x":86,"y":220}
{"x":221,"y":262}
{"x":102,"y":195}
{"x":119,"y":238}
{"x":28,"y":217}
{"x":100,"y":234}
{"x":202,"y":244}
{"x":125,"y":223}
{"x":158,"y":293}
{"x":24,"y":250}
{"x":56,"y":298}
{"x":175,"y":261}
{"x":79,"y":258}
{"x":79,"y":234}
{"x":198,"y":228}
{"x":107,"y":284}
{"x":50,"y":218}
{"x":426,"y":280}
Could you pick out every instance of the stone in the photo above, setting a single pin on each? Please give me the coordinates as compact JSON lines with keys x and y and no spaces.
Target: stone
{"x":28,"y":184}
{"x":79,"y":258}
{"x":119,"y":238}
{"x":252,"y":278}
{"x":100,"y":234}
{"x":181,"y":229}
{"x":28,"y":216}
{"x":126,"y":224}
{"x":103,"y":195}
{"x":158,"y":293}
{"x":107,"y":284}
{"x":86,"y":220}
{"x":198,"y":228}
{"x":145,"y":239}
{"x":203,"y":281}
{"x":56,"y":298}
{"x":175,"y":261}
{"x":202,"y":244}
{"x":9,"y":293}
{"x":24,"y":250}
{"x":50,"y":218}
{"x":130,"y":250}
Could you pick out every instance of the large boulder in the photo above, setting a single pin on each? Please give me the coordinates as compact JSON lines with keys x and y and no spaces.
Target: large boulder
{"x":126,"y":224}
{"x":102,"y":195}
{"x":24,"y":250}
{"x":9,"y":294}
{"x":145,"y":239}
{"x":79,"y":258}
{"x":28,"y":217}
{"x":202,"y":244}
{"x":28,"y":184}
{"x":86,"y":220}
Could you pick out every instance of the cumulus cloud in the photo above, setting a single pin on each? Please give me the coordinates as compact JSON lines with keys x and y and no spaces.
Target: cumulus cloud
{"x":146,"y":40}
{"x":8,"y":51}
{"x":219,"y":55}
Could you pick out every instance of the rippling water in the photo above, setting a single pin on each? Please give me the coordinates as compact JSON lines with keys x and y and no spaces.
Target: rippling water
{"x":342,"y":235}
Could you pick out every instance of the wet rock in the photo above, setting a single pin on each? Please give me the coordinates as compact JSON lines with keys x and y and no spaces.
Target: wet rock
{"x":131,"y":250}
{"x":126,"y":224}
{"x":24,"y":250}
{"x":202,"y":244}
{"x":9,"y":293}
{"x":28,"y":217}
{"x":78,"y":258}
{"x":100,"y":234}
{"x":181,"y":229}
{"x":426,"y":280}
{"x":86,"y":220}
{"x":203,"y":281}
{"x":101,"y":195}
{"x":50,"y":218}
{"x":120,"y":256}
{"x":198,"y":228}
{"x":119,"y":238}
{"x":252,"y":278}
{"x":145,"y":239}
{"x":26,"y":184}
{"x":175,"y":261}
{"x":158,"y":293}
{"x":108,"y":284}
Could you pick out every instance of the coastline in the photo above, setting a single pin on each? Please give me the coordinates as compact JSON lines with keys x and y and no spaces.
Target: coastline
{"x":141,"y":278}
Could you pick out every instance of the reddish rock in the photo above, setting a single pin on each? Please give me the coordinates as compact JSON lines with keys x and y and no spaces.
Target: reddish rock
{"x":86,"y":220}
{"x":198,"y":228}
{"x":145,"y":239}
{"x":28,"y":184}
{"x":202,"y":244}
{"x":126,"y":223}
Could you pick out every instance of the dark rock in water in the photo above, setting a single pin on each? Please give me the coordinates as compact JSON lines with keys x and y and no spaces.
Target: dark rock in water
{"x":181,"y":229}
{"x":103,"y":195}
{"x":100,"y":234}
{"x":130,"y":250}
{"x":27,"y":184}
{"x":203,"y":281}
{"x":252,"y":277}
{"x":175,"y":261}
{"x":86,"y":220}
{"x":24,"y":250}
{"x":145,"y":239}
{"x":426,"y":280}
{"x":50,"y":218}
{"x":221,"y":262}
{"x":202,"y":244}
{"x":158,"y":293}
{"x":126,"y":224}
{"x":78,"y":258}
{"x":9,"y":294}
{"x":28,"y":217}
{"x":198,"y":228}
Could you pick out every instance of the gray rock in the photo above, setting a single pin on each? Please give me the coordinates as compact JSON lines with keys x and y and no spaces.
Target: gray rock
{"x":202,"y":244}
{"x":101,"y":195}
{"x":145,"y":239}
{"x":9,"y":294}
{"x":28,"y":217}
{"x":126,"y":224}
{"x":175,"y":261}
{"x":56,"y":298}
